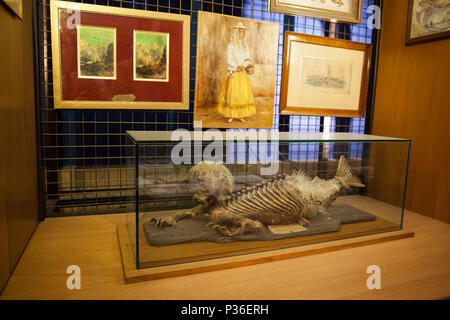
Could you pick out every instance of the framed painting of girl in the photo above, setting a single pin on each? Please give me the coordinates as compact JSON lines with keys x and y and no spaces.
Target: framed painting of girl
{"x":236,"y":72}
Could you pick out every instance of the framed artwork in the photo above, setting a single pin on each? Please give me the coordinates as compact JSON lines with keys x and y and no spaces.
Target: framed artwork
{"x":116,"y":58}
{"x":97,"y":56}
{"x":15,"y":6}
{"x":348,"y":11}
{"x":236,"y":72}
{"x":144,"y":43}
{"x":428,"y":20}
{"x":324,"y":76}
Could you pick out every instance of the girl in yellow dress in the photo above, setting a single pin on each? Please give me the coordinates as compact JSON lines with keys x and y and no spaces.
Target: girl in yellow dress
{"x":236,"y":97}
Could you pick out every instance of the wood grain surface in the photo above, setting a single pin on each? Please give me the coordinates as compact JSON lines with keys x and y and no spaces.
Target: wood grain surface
{"x":412,"y":101}
{"x":18,"y":161}
{"x":413,"y":268}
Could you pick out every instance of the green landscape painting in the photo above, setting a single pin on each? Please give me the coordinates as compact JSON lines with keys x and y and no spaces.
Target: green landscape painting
{"x":151,"y":52}
{"x":96,"y":52}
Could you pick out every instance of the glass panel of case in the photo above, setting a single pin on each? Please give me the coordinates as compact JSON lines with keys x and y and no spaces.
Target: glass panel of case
{"x":203,"y":195}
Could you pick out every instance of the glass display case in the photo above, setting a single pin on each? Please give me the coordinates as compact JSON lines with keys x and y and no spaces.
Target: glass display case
{"x":213,"y":194}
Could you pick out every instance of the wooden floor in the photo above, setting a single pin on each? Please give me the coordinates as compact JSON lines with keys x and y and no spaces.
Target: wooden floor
{"x":413,"y":268}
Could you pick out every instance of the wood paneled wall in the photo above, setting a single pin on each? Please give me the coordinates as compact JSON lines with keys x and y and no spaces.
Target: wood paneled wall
{"x":18,"y":176}
{"x":413,"y":101}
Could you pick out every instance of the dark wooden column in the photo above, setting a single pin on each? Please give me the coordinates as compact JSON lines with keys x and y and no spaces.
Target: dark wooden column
{"x":18,"y":160}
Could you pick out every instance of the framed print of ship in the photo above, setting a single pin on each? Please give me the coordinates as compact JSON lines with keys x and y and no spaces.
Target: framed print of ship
{"x":116,"y":58}
{"x":428,"y":20}
{"x":348,"y":11}
{"x":324,"y":76}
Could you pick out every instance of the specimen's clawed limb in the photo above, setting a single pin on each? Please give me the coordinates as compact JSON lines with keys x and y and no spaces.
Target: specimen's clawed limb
{"x":302,"y":221}
{"x":244,"y":226}
{"x":221,"y":229}
{"x":205,"y":203}
{"x":249,"y":225}
{"x":163,"y":221}
{"x":172,"y":220}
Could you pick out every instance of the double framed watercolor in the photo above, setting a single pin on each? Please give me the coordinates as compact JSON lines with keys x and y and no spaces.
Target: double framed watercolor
{"x":116,"y":58}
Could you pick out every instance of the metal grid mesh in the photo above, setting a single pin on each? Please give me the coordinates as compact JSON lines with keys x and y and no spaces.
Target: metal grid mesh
{"x":84,"y":152}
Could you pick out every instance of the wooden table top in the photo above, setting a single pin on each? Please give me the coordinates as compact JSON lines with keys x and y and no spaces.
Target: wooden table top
{"x":413,"y":268}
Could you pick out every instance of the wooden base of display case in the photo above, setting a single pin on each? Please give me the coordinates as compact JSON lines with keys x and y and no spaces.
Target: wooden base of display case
{"x":169,"y":263}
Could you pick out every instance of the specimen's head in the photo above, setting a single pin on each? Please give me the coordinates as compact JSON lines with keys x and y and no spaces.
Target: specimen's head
{"x":211,"y":179}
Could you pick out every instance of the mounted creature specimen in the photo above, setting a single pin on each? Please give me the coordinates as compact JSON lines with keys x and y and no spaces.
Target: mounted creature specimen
{"x":284,"y":200}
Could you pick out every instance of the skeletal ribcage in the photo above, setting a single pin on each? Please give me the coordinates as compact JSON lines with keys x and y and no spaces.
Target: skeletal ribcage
{"x":274,"y":202}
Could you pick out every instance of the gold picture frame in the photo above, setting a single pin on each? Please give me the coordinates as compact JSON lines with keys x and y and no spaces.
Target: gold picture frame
{"x":236,"y":72}
{"x":15,"y":6}
{"x":347,"y":11}
{"x":324,"y":76}
{"x":120,"y":86}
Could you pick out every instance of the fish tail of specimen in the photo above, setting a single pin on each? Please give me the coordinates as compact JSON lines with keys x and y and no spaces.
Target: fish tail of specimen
{"x":345,"y":176}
